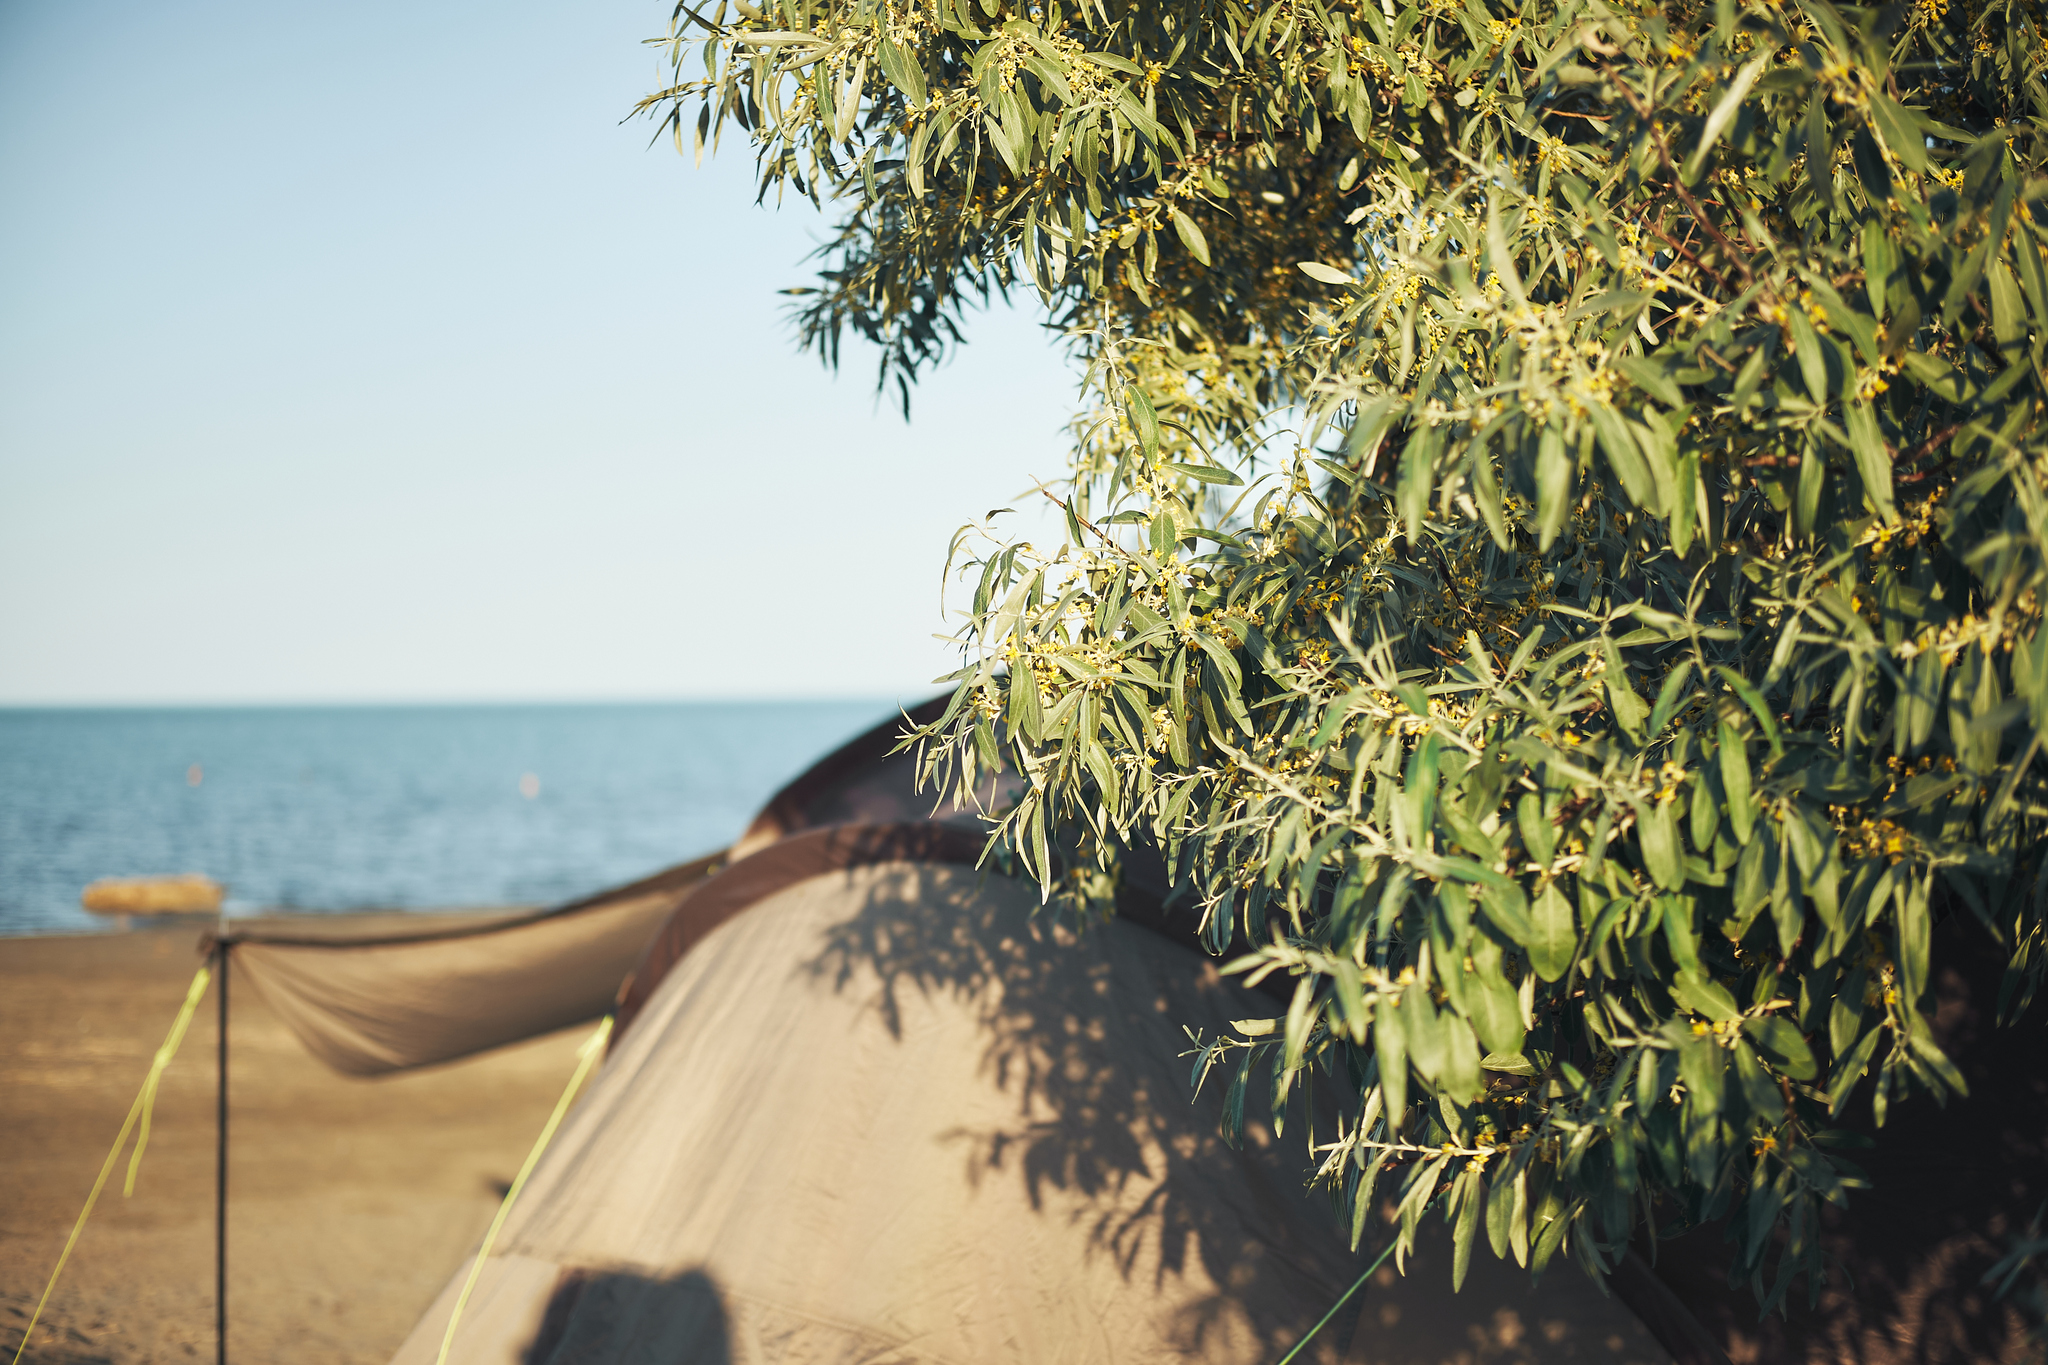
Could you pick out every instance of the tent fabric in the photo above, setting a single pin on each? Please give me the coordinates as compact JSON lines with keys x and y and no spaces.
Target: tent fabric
{"x":866,"y":781}
{"x":834,"y":848}
{"x":368,"y":1006}
{"x":886,"y":1114}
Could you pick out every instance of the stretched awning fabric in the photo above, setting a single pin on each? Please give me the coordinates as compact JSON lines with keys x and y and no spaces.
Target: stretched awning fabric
{"x":366,"y":1006}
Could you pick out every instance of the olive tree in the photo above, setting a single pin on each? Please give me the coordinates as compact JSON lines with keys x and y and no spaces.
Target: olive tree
{"x":1553,"y":554}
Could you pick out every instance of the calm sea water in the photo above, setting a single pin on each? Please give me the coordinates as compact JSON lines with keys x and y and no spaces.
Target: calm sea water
{"x":344,"y":808}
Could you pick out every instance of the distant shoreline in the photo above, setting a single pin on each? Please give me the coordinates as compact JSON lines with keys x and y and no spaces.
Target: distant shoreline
{"x":314,"y":923}
{"x":877,"y":703}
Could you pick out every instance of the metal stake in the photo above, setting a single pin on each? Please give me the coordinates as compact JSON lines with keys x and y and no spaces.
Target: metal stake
{"x":220,"y":1177}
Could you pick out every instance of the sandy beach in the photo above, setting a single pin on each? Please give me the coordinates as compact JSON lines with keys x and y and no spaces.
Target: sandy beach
{"x":351,"y":1201}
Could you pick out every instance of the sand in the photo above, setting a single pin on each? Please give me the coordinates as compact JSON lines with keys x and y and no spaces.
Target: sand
{"x":350,"y":1201}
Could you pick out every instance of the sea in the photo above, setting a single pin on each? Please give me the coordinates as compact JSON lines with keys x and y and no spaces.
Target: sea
{"x":327,"y":809}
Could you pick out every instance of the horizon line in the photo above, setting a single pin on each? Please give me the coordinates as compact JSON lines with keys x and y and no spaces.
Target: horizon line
{"x":331,"y":703}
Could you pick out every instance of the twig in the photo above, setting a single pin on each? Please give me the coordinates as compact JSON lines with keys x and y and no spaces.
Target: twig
{"x":1677,"y":183}
{"x":1068,"y":508}
{"x":1927,"y":446}
{"x":1678,"y":247}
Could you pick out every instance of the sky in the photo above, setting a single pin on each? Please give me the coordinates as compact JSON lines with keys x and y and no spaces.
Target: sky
{"x":372,"y":353}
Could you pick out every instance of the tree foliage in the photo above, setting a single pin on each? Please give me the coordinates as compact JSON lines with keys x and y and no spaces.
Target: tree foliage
{"x":1554,"y":554}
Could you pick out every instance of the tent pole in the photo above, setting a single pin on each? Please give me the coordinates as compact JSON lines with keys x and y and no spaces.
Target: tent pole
{"x":220,"y":1176}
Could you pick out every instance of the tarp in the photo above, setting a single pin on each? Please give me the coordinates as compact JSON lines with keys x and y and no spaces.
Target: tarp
{"x":885,"y":1114}
{"x":371,"y":1005}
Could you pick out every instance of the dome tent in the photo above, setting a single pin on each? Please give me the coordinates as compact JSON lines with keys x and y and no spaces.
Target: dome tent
{"x":866,"y":1106}
{"x":882,"y":1112}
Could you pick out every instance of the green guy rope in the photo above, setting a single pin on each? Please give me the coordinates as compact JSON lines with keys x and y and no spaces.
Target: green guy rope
{"x":1358,"y":1284}
{"x":587,"y":1055}
{"x":1343,"y":1299}
{"x":145,"y":1102}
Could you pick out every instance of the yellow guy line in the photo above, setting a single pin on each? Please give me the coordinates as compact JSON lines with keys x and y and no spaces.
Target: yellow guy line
{"x":587,"y":1055}
{"x":145,"y":1102}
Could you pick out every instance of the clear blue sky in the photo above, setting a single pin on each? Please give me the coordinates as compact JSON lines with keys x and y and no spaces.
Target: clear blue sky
{"x":362,"y":352}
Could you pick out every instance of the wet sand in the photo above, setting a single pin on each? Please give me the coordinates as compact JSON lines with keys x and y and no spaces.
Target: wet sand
{"x":350,"y":1201}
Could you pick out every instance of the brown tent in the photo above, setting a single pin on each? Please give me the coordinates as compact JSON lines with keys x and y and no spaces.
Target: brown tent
{"x":866,"y":1106}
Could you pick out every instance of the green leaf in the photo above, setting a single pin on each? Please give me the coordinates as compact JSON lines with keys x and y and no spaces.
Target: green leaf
{"x":1813,"y":476}
{"x":1755,"y":702}
{"x":1678,"y":935}
{"x":1870,"y":166}
{"x":1911,"y":932}
{"x":1326,"y":274}
{"x":1685,"y":502}
{"x":1704,"y":995}
{"x":1850,"y":1069}
{"x":1668,"y":697}
{"x":1553,"y":935}
{"x":1752,"y":890}
{"x":1734,"y":763}
{"x":1459,"y":1080}
{"x":1500,"y":1213}
{"x":1702,"y":1065}
{"x":1496,"y":1014}
{"x":1206,"y":473}
{"x":1025,"y":714}
{"x":1873,"y":461}
{"x":1390,"y":1043}
{"x":1947,"y":382}
{"x":1877,"y":265}
{"x":1723,"y":114}
{"x":1553,"y":486}
{"x":903,"y":71}
{"x":1191,"y":236}
{"x":1539,"y":835}
{"x":1467,"y":1197}
{"x":1624,"y":457}
{"x":1374,"y":418}
{"x":1663,"y":853}
{"x":1937,"y":1061}
{"x":1629,"y":709}
{"x":1417,"y":483}
{"x":1508,"y":908}
{"x":2008,"y":307}
{"x":1554,"y":1223}
{"x":1766,"y":1102}
{"x":1896,"y":126}
{"x":1806,"y":345}
{"x":1783,"y":1045}
{"x":1653,"y":378}
{"x":1788,"y":911}
{"x":1144,"y":421}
